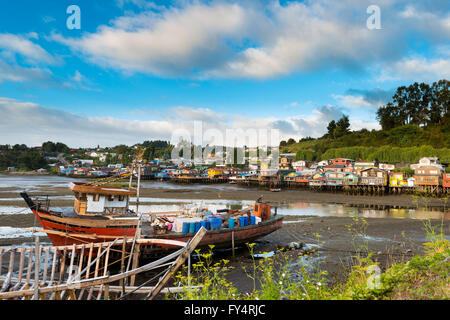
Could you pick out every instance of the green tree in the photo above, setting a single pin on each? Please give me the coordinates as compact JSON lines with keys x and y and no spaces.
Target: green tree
{"x":342,"y":127}
{"x":330,"y":128}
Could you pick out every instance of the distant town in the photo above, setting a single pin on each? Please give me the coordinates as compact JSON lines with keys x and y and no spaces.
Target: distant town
{"x":350,"y":175}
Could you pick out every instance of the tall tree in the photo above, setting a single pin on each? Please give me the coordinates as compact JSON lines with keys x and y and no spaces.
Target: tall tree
{"x":330,"y":128}
{"x":342,"y":127}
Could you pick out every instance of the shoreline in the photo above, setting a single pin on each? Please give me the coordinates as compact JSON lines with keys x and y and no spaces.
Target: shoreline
{"x":220,"y":192}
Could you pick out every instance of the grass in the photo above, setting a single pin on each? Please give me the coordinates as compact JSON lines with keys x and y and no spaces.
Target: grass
{"x":425,"y":276}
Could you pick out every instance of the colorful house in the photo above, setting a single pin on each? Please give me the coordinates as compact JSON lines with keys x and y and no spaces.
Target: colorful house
{"x":396,"y":179}
{"x":374,"y":177}
{"x":351,"y":179}
{"x":215,"y":172}
{"x":335,"y":178}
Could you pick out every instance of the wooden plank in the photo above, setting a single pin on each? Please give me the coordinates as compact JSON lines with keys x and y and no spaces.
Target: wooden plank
{"x":7,"y":282}
{"x":44,"y":275}
{"x":93,"y":282}
{"x":21,"y":261}
{"x":97,"y":264}
{"x":1,"y":260}
{"x":122,"y":263}
{"x":37,"y":265}
{"x":55,"y":255}
{"x":62,"y":266}
{"x":105,"y":271}
{"x":118,"y":289}
{"x":30,"y":261}
{"x":192,"y":244}
{"x":11,"y":261}
{"x":91,"y":250}
{"x":135,"y":262}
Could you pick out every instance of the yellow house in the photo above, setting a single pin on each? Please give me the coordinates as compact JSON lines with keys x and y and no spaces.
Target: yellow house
{"x":214,"y":172}
{"x":396,"y":179}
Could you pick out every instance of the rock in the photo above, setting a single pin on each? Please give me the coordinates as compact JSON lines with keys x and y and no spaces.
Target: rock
{"x":295,"y":245}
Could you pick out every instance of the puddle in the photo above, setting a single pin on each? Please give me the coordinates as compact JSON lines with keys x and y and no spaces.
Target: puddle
{"x":13,"y":233}
{"x":264,"y":255}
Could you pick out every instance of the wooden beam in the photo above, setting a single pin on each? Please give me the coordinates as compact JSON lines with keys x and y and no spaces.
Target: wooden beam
{"x":191,"y":245}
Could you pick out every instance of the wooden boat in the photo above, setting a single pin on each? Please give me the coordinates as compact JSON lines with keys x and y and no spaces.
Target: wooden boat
{"x":85,"y":271}
{"x":101,"y":213}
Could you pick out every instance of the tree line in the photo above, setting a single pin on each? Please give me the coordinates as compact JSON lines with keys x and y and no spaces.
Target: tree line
{"x":419,"y":104}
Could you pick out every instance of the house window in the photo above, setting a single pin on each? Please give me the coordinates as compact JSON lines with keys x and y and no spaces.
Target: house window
{"x":96,"y":197}
{"x":121,"y":198}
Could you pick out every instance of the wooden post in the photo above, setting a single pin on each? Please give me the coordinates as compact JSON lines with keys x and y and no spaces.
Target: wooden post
{"x":135,"y":262}
{"x":122,"y":264}
{"x":36,"y":268}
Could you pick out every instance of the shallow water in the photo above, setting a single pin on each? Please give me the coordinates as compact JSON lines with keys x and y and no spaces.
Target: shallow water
{"x":293,"y":211}
{"x":31,"y":182}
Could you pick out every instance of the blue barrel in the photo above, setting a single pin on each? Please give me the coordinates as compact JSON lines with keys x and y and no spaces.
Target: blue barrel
{"x":211,"y":223}
{"x":241,"y":222}
{"x":185,"y":228}
{"x":198,"y":225}
{"x":219,"y":222}
{"x":252,"y":220}
{"x":208,"y":225}
{"x":245,"y":221}
{"x":203,"y":224}
{"x":231,"y":223}
{"x":191,"y":227}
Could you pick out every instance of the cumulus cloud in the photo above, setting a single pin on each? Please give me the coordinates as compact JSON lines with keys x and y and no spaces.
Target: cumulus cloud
{"x":357,"y":98}
{"x":22,"y":60}
{"x":32,"y":124}
{"x":11,"y":45}
{"x":417,"y":69}
{"x":225,"y":39}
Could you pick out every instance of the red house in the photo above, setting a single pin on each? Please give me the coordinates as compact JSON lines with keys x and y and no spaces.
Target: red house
{"x":342,"y":161}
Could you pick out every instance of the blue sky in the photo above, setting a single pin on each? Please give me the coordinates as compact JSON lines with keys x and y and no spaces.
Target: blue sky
{"x":139,"y":70}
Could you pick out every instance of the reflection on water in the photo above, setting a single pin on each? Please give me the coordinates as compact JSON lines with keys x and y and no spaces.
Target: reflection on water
{"x":168,"y":185}
{"x":289,"y":209}
{"x":338,"y":210}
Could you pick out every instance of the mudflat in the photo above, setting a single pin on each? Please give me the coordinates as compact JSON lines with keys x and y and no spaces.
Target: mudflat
{"x":226,"y":192}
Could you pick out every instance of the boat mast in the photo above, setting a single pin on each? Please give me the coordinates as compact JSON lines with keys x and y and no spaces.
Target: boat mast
{"x":138,"y":187}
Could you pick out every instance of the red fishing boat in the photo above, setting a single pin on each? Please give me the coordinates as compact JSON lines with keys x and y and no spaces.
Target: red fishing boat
{"x":101,"y":213}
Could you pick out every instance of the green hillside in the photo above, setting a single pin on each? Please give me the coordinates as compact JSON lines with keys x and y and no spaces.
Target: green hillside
{"x":405,"y":136}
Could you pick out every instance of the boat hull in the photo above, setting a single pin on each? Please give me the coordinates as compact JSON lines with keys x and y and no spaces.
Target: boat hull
{"x":224,"y":238}
{"x":66,"y":231}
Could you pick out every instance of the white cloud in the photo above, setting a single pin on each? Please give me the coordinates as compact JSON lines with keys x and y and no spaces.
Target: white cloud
{"x":173,"y":43}
{"x":11,"y":45}
{"x":352,"y":101}
{"x":32,"y":124}
{"x":221,"y":39}
{"x":417,"y":69}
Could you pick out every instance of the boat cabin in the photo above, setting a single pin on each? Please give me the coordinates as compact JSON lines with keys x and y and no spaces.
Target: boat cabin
{"x":100,"y":200}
